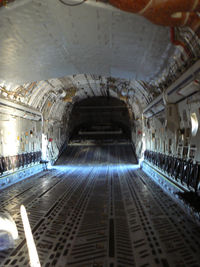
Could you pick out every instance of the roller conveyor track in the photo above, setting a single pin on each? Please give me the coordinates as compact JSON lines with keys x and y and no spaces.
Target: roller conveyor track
{"x":100,"y":215}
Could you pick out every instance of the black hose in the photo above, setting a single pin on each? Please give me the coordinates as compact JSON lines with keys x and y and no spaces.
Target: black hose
{"x":67,"y":4}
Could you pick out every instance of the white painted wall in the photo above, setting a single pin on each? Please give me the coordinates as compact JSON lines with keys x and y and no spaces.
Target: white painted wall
{"x":162,"y":139}
{"x":16,"y":137}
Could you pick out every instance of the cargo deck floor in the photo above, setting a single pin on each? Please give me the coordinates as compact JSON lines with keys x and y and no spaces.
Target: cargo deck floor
{"x":86,"y":214}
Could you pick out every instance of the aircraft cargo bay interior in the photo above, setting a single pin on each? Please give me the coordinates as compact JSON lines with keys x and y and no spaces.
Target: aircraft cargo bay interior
{"x":99,"y":133}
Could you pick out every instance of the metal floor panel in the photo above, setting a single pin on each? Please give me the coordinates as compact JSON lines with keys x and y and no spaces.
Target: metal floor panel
{"x":97,"y":215}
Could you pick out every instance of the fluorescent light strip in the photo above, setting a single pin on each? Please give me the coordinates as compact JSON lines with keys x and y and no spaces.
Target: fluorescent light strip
{"x":33,"y":255}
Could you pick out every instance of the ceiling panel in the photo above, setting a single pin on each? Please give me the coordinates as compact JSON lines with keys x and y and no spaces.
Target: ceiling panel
{"x":44,"y":39}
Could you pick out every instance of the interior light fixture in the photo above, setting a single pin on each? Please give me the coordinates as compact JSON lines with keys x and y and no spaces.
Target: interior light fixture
{"x":195,"y":124}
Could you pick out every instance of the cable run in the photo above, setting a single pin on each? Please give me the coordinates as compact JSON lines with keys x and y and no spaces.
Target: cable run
{"x":68,"y":4}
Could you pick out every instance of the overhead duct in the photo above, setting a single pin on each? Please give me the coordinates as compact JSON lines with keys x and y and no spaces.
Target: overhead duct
{"x":189,"y":89}
{"x":185,"y":86}
{"x":10,"y":108}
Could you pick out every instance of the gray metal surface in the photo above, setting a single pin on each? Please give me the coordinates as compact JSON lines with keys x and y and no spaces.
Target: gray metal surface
{"x":44,"y":39}
{"x":100,"y":215}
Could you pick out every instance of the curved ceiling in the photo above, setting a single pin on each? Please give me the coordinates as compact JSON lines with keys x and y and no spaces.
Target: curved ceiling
{"x":52,"y":56}
{"x":52,"y":97}
{"x":45,"y":39}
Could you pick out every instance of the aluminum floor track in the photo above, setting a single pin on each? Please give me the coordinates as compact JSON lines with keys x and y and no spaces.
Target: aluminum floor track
{"x":100,"y":216}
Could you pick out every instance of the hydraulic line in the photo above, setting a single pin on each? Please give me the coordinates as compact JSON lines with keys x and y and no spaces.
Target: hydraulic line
{"x":72,"y":5}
